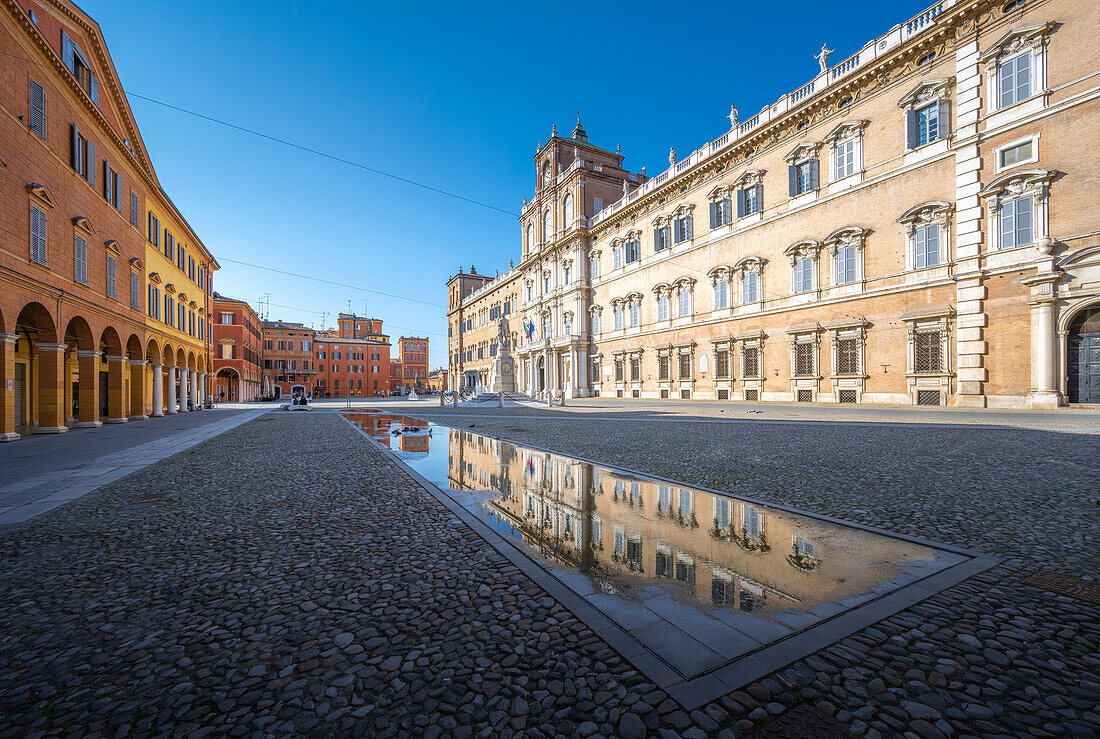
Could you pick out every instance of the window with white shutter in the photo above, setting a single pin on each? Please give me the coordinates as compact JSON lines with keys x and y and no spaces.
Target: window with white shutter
{"x":135,"y":286}
{"x":110,"y":277}
{"x":38,"y":236}
{"x":81,"y":264}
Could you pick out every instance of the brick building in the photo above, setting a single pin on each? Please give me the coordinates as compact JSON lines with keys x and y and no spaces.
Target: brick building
{"x":355,"y":367}
{"x":97,"y":324}
{"x":238,"y":340}
{"x":413,"y":353}
{"x":913,"y":225}
{"x":288,"y":358}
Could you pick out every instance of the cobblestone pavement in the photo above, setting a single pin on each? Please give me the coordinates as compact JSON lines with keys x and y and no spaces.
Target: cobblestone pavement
{"x":991,"y":656}
{"x":304,"y":584}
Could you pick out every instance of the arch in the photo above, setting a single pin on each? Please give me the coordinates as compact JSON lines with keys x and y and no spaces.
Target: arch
{"x":2,"y":331}
{"x":229,"y":373}
{"x":133,"y":348}
{"x":1083,"y":354}
{"x":78,"y":332}
{"x":110,"y":342}
{"x":181,"y":358}
{"x":201,"y":363}
{"x":567,"y":209}
{"x":191,"y":360}
{"x":35,"y":319}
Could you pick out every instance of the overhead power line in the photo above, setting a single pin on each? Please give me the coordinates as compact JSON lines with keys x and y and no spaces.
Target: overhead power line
{"x":416,"y":331}
{"x":330,"y":282}
{"x":317,"y":152}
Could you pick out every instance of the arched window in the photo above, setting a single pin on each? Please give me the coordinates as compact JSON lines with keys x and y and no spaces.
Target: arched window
{"x":546,"y":227}
{"x":567,"y":210}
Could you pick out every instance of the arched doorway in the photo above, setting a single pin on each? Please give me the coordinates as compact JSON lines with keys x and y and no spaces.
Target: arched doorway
{"x":228,"y":386}
{"x":1084,"y":357}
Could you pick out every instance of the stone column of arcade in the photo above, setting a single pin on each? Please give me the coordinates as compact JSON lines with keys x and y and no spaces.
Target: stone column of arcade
{"x":88,"y":359}
{"x":158,"y":390}
{"x":116,"y":389}
{"x":183,"y":389}
{"x":171,"y":390}
{"x":51,"y":389}
{"x":137,"y":390}
{"x":196,"y":399}
{"x":8,"y":420}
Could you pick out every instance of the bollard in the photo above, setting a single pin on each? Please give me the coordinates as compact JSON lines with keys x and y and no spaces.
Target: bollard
{"x":441,"y":394}
{"x":454,"y":395}
{"x":502,"y":398}
{"x":549,"y":398}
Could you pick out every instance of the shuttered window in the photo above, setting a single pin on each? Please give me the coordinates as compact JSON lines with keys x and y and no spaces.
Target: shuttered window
{"x":928,"y":124}
{"x":82,"y":154}
{"x":721,"y":294}
{"x":81,"y":263}
{"x":38,"y":236}
{"x":804,"y":275}
{"x":38,"y":110}
{"x":749,"y":200}
{"x":721,"y":212}
{"x":135,"y":211}
{"x":750,"y":287}
{"x":660,"y":238}
{"x":135,"y":286}
{"x":111,"y":277}
{"x":662,"y":307}
{"x":154,"y":230}
{"x":682,"y":229}
{"x":847,"y":265}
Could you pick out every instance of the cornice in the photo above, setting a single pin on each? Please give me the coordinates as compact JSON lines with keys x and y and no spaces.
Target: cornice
{"x":952,"y":25}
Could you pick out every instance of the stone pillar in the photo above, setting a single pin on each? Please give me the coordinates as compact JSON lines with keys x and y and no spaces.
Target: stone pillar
{"x":8,"y":421}
{"x":158,"y":391}
{"x":196,"y":399}
{"x":171,"y":390}
{"x":137,"y":389}
{"x":184,"y":392}
{"x":51,"y":389}
{"x":89,"y":389}
{"x":116,"y":389}
{"x":1045,"y":365}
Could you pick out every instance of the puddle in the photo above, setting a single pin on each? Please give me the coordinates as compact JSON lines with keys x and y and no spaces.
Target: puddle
{"x":699,"y":578}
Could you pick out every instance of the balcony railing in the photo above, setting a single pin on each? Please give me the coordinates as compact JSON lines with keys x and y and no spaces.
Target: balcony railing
{"x":899,"y":34}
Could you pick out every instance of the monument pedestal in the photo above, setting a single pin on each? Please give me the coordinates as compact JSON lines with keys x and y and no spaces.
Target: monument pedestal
{"x":502,"y":374}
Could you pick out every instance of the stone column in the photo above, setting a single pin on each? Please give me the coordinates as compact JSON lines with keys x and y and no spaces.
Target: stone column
{"x":184,"y":376}
{"x":240,"y":391}
{"x":1045,"y":365}
{"x":51,"y":389}
{"x":171,"y":390}
{"x":116,"y":389}
{"x":158,"y":391}
{"x":195,"y":397}
{"x":137,"y":389}
{"x":89,"y":389}
{"x":8,"y":421}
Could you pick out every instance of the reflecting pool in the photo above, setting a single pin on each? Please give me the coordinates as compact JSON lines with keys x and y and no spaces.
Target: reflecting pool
{"x":697,"y":576}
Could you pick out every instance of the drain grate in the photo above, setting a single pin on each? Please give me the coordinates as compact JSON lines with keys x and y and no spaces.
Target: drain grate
{"x":801,"y":721}
{"x":1063,"y":584}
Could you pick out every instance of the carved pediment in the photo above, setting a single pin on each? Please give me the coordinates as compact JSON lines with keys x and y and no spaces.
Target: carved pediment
{"x":112,"y":246}
{"x":846,"y":130}
{"x":927,"y":91}
{"x":750,"y":178}
{"x":930,"y":212}
{"x":1016,"y":41}
{"x":82,"y":223}
{"x":720,"y":193}
{"x":846,"y":236}
{"x":1018,"y":184}
{"x":721,"y":272}
{"x":802,"y":152}
{"x":801,"y":249}
{"x":41,"y":192}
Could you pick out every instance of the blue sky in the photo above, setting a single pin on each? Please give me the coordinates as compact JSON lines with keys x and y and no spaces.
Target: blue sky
{"x":453,"y":95}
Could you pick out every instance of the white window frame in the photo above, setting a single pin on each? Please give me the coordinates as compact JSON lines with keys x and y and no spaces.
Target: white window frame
{"x":933,"y":212}
{"x":1033,"y":139}
{"x":1015,"y":184}
{"x":853,"y":238}
{"x":1018,"y":41}
{"x":721,"y":294}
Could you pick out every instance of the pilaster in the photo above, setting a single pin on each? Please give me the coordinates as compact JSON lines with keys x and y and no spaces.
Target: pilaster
{"x":88,"y":360}
{"x":8,"y":421}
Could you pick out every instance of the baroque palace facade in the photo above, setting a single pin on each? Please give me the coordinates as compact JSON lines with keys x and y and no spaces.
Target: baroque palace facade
{"x":912,"y":226}
{"x":105,"y":290}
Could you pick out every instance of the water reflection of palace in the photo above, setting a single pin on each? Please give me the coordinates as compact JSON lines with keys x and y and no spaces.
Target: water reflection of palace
{"x":380,"y":427}
{"x":628,"y":532}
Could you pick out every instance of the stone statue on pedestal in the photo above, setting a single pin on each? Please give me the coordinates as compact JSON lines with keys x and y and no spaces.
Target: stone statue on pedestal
{"x":502,"y":372}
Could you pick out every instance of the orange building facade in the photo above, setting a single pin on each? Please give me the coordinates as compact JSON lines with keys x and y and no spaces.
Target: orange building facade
{"x":289,"y":368}
{"x":352,"y":367}
{"x":237,"y":365}
{"x":95,"y":327}
{"x":413,"y":353}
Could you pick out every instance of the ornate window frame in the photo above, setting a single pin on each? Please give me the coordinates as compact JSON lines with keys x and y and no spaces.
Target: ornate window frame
{"x":1033,"y":39}
{"x":806,"y":153}
{"x":928,"y":92}
{"x":848,"y":236}
{"x":594,"y":263}
{"x":1020,"y":183}
{"x":595,"y":319}
{"x":753,"y":339}
{"x":662,"y":223}
{"x":682,"y":286}
{"x":744,"y":265}
{"x":723,"y":193}
{"x":633,"y":301}
{"x":805,"y":249}
{"x":750,"y":179}
{"x":722,"y":273}
{"x":662,"y":289}
{"x":932,"y":212}
{"x":842,"y":133}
